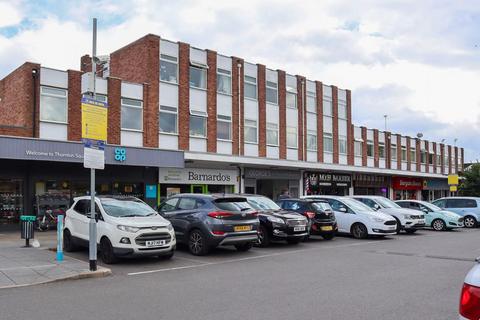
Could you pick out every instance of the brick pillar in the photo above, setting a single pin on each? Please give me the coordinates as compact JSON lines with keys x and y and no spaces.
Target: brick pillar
{"x":150,"y":117}
{"x":74,"y":105}
{"x":442,"y":158}
{"x":376,"y":155}
{"x":417,"y":154}
{"x":114,"y":110}
{"x":388,"y":150}
{"x":183,"y":96}
{"x":427,"y":162}
{"x":282,"y":104}
{"x":302,"y":116}
{"x":364,"y":147}
{"x":212,"y":101}
{"x":237,"y":109}
{"x":409,"y":158}
{"x":335,"y":123}
{"x":319,"y":91}
{"x":462,"y":159}
{"x":449,"y":159}
{"x":262,"y":111}
{"x":350,"y":132}
{"x":86,"y":63}
{"x":399,"y":152}
{"x":434,"y":144}
{"x":456,"y":159}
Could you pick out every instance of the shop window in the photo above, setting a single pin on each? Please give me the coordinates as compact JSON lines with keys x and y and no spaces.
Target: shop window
{"x":250,"y":87}
{"x":272,"y":134}
{"x":53,"y":104}
{"x":381,"y":150}
{"x":224,"y":81}
{"x":224,"y":127}
{"x":11,"y":201}
{"x":292,"y":140}
{"x":311,"y":102}
{"x":358,"y":148}
{"x":342,"y":145}
{"x":291,"y":100}
{"x":168,"y":68}
{"x":132,"y":114}
{"x":272,"y":92}
{"x":168,"y":119}
{"x":198,"y":77}
{"x":393,"y":152}
{"x":198,"y":124}
{"x":312,"y":140}
{"x":327,"y":107}
{"x":370,"y":152}
{"x":250,"y":131}
{"x":327,"y":142}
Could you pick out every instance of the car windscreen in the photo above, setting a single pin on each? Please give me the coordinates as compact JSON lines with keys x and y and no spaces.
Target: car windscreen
{"x":126,"y":208}
{"x":233,"y":204}
{"x":356,"y":205}
{"x":262,"y":203}
{"x":387,"y":203}
{"x":321,"y":206}
{"x":431,"y":206}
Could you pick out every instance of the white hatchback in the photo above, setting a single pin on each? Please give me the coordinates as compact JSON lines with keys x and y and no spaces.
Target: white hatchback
{"x":126,"y":227}
{"x":358,"y":219}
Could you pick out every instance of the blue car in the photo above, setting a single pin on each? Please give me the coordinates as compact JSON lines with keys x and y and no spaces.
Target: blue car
{"x":467,"y":207}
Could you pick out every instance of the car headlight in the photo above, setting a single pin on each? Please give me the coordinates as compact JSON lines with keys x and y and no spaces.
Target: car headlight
{"x":377,"y":219}
{"x":275,"y":220}
{"x":169,"y":227}
{"x":407,"y":216}
{"x":127,"y":228}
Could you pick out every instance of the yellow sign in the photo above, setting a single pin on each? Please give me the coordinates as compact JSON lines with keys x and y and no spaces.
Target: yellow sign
{"x":453,"y":188}
{"x":94,"y":120}
{"x":453,"y":179}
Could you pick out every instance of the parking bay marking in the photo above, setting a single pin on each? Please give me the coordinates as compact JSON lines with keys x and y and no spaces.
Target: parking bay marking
{"x":418,"y":255}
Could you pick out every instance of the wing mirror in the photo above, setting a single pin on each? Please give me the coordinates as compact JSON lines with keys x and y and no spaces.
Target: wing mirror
{"x":376,"y":207}
{"x":425,"y":210}
{"x":342,"y":209}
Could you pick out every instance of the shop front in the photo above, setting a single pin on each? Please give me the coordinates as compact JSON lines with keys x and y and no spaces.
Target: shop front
{"x":272,"y":182}
{"x":407,"y":188}
{"x":40,"y":176}
{"x":321,"y":183}
{"x":371,"y":185}
{"x":196,"y":180}
{"x":435,"y":189}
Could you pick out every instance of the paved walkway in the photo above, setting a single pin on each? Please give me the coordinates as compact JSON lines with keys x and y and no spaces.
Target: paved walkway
{"x":21,"y":266}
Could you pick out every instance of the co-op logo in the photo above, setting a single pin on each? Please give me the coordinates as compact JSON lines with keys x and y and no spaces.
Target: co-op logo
{"x":120,"y":154}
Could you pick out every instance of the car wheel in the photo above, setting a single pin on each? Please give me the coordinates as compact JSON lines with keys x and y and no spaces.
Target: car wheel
{"x":359,"y":231}
{"x":470,"y":222}
{"x":197,"y":244}
{"x":294,"y":240}
{"x":106,"y":251}
{"x":328,"y":236}
{"x":244,"y":246}
{"x":399,"y":226}
{"x":411,"y":231}
{"x":68,"y":243}
{"x":263,"y":237}
{"x":438,"y":225}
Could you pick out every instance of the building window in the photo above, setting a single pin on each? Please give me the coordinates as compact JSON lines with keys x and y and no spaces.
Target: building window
{"x":342,"y":145}
{"x":327,"y":107}
{"x":250,"y":87}
{"x":369,"y":148}
{"x":272,"y":134}
{"x":393,"y":151}
{"x":167,"y":122}
{"x":224,"y":127}
{"x":423,"y":156}
{"x":358,"y":148}
{"x":224,"y":81}
{"x":327,"y":142}
{"x":98,"y":97}
{"x":53,"y":104}
{"x":413,"y":155}
{"x":311,"y":102}
{"x":404,"y":153}
{"x":342,"y":109}
{"x":272,"y":92}
{"x":132,"y":114}
{"x":430,"y":158}
{"x":198,"y":124}
{"x":312,"y":140}
{"x":250,"y":131}
{"x":292,"y":140}
{"x":446,"y":161}
{"x":291,"y":100}
{"x":198,"y":77}
{"x":381,"y":150}
{"x":439,"y":160}
{"x":168,"y":68}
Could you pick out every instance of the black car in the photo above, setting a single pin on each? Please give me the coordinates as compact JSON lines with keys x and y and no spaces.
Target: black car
{"x":204,"y":222}
{"x":276,"y":223}
{"x":321,"y":218}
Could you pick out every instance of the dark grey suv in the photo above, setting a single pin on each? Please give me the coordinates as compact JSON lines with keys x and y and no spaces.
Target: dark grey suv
{"x":204,"y":222}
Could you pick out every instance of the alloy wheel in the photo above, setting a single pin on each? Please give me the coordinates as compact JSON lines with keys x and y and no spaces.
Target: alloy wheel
{"x":196,"y":242}
{"x":469,"y":222}
{"x":438,"y":225}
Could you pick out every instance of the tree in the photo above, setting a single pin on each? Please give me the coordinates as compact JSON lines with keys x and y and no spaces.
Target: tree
{"x":470,"y":182}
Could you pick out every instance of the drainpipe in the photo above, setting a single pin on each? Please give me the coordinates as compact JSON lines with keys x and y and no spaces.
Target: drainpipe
{"x":34,"y":116}
{"x":239,"y":179}
{"x":239,"y":66}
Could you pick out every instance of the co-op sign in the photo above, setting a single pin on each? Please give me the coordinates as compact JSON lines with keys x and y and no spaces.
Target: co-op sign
{"x":197,"y":176}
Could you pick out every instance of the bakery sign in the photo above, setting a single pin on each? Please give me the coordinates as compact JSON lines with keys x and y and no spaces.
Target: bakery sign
{"x":197,"y":176}
{"x":328,"y":179}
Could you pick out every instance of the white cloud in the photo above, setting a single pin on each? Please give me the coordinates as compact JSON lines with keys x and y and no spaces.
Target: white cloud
{"x":10,"y":14}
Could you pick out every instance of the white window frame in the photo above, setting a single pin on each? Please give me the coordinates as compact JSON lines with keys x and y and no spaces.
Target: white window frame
{"x":291,"y":131}
{"x":169,"y":59}
{"x":204,"y":71}
{"x":330,"y":102}
{"x":272,"y":127}
{"x":123,"y":104}
{"x":414,"y":158}
{"x":272,"y":86}
{"x":248,"y":80}
{"x":225,"y":119}
{"x":343,"y":104}
{"x":344,"y":140}
{"x":314,"y":134}
{"x":311,"y":94}
{"x":98,"y":97}
{"x":358,"y":146}
{"x":169,"y":110}
{"x":423,"y":156}
{"x":54,"y":96}
{"x":370,"y":143}
{"x":328,"y":136}
{"x":393,"y":151}
{"x":250,"y":123}
{"x":294,"y":94}
{"x":224,"y":73}
{"x":200,"y":114}
{"x":382,"y":144}
{"x":404,"y":151}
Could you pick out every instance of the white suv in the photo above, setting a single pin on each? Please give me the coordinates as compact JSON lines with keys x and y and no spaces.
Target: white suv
{"x":126,"y":227}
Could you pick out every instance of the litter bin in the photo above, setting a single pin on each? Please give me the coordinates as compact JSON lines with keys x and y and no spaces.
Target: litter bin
{"x":27,"y":231}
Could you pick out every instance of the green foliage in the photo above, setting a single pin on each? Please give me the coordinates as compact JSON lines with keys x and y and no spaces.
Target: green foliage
{"x":470,"y":182}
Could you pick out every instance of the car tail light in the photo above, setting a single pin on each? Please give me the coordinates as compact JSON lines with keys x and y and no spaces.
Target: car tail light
{"x":218,"y":233}
{"x":470,"y":302}
{"x":220,"y":214}
{"x":310,"y":214}
{"x":254,"y":213}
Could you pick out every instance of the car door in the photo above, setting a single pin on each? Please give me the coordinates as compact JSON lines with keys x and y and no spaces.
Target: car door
{"x":75,"y":217}
{"x":425,"y":210}
{"x":344,"y":217}
{"x":184,"y":214}
{"x":456,"y":205}
{"x":167,"y":210}
{"x":83,"y":220}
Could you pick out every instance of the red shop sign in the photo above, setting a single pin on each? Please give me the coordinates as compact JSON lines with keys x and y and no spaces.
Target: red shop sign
{"x":400,"y":183}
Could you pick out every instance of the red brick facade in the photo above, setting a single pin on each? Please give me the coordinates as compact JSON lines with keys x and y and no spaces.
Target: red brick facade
{"x":376,"y":154}
{"x":262,"y":111}
{"x":212,"y":101}
{"x":183,"y":96}
{"x":388,"y":150}
{"x":335,"y":123}
{"x":302,"y":115}
{"x":427,"y":160}
{"x":114,"y":110}
{"x":319,"y":89}
{"x":418,"y":154}
{"x":74,"y":131}
{"x":364,"y":147}
{"x":409,"y":154}
{"x":399,"y":152}
{"x":237,"y":105}
{"x":434,"y":145}
{"x":282,"y":104}
{"x":350,"y":132}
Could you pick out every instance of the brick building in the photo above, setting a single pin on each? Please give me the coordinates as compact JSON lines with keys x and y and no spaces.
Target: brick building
{"x":238,"y":126}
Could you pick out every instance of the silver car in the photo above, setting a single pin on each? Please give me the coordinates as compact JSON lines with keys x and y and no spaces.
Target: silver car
{"x":470,"y":296}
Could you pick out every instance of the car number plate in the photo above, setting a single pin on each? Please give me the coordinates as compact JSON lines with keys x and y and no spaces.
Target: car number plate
{"x":298,"y":229}
{"x":242,"y":228}
{"x":326,"y":228}
{"x":155,"y":243}
{"x":392,"y":228}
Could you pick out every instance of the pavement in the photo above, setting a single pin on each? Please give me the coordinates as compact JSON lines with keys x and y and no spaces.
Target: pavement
{"x":21,"y":266}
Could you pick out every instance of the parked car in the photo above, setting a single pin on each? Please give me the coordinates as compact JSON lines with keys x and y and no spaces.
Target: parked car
{"x":470,"y":296}
{"x":276,"y":223}
{"x":435,"y":217}
{"x":359,"y":220}
{"x":126,"y":227}
{"x":204,"y":222}
{"x":467,"y":207}
{"x":321,"y":219}
{"x":407,"y":219}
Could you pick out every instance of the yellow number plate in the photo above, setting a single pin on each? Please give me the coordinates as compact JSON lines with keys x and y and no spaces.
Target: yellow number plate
{"x":242,"y":228}
{"x":326,"y":228}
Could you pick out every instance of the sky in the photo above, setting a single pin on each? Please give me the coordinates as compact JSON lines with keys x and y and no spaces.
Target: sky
{"x":416,"y":61}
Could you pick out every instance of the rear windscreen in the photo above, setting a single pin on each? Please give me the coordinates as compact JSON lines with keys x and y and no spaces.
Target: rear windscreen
{"x":232,"y":204}
{"x":322,"y":206}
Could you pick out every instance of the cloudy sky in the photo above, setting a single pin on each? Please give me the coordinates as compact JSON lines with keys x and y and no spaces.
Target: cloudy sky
{"x":415,"y":61}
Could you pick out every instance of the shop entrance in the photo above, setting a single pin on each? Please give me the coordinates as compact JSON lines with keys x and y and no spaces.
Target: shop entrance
{"x":274,"y":188}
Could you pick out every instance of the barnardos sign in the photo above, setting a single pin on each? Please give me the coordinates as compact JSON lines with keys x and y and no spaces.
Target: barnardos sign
{"x":197,"y":176}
